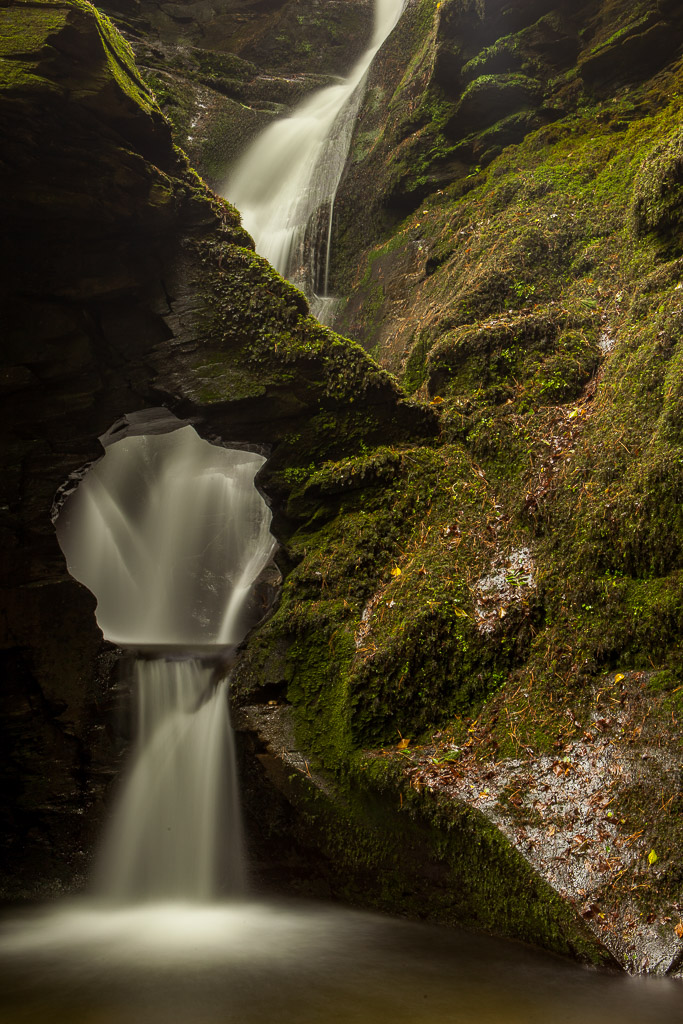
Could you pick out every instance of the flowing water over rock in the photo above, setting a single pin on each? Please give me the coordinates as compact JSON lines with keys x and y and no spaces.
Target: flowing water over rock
{"x":285,"y":185}
{"x":176,"y":830}
{"x":170,"y":533}
{"x":152,"y":943}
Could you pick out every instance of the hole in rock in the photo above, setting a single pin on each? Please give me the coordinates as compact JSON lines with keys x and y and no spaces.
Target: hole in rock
{"x":171,"y":535}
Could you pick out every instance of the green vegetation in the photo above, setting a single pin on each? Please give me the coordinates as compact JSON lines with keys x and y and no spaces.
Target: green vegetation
{"x":28,"y":34}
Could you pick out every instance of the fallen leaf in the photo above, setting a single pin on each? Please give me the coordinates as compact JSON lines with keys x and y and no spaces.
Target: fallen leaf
{"x":619,"y":677}
{"x":403,"y":744}
{"x":652,"y":857}
{"x":679,"y":930}
{"x":396,"y":571}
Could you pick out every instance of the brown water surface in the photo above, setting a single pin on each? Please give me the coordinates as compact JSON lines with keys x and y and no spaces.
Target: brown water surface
{"x":294,"y":963}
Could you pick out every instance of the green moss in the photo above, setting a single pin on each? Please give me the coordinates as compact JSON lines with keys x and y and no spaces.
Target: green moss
{"x":416,"y":374}
{"x":551,"y":338}
{"x":658,"y":188}
{"x":500,"y":83}
{"x":634,"y":25}
{"x":35,"y":31}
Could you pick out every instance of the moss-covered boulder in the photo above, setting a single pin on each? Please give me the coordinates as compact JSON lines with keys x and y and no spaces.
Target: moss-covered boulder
{"x":489,"y":98}
{"x":658,"y":188}
{"x":631,"y":42}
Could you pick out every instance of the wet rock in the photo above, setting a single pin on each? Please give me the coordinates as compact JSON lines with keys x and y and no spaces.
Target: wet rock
{"x":637,"y":49}
{"x":490,"y":98}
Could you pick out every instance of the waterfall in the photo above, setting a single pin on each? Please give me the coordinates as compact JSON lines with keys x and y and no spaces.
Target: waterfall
{"x":285,"y":184}
{"x":176,"y":831}
{"x":170,"y":534}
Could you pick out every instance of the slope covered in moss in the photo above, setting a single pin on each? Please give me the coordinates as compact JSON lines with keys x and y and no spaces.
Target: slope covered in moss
{"x":520,"y":267}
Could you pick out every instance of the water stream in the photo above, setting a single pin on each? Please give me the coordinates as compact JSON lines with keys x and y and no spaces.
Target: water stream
{"x":175,"y":832}
{"x":285,"y":184}
{"x":170,"y":534}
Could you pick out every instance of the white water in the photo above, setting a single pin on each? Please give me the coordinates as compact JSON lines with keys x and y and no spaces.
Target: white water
{"x":170,"y":534}
{"x":176,"y":831}
{"x":285,"y":184}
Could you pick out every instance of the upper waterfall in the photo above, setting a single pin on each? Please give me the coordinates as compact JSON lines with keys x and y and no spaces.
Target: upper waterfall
{"x":285,"y":184}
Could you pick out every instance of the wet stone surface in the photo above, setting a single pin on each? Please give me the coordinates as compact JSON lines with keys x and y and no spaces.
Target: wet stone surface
{"x":562,"y":813}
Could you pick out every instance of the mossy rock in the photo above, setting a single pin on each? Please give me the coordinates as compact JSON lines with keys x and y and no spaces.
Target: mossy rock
{"x":489,"y":98}
{"x":635,"y":49}
{"x":657,"y":202}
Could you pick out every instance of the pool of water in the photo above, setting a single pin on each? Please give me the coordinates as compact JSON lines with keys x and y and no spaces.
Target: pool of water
{"x":254,"y":962}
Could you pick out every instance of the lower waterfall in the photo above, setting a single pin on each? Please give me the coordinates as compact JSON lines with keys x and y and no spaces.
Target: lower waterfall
{"x":176,"y":831}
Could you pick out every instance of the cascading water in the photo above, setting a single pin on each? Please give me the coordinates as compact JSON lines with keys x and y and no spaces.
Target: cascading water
{"x":176,"y":831}
{"x":286,"y":183}
{"x":170,"y":533}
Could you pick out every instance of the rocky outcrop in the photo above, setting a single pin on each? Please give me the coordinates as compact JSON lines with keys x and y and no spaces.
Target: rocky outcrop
{"x":222,"y":70}
{"x":292,"y":36}
{"x":524,"y":274}
{"x":459,"y":82}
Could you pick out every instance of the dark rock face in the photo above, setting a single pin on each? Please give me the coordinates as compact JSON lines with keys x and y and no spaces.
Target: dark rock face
{"x":290,"y":35}
{"x":490,"y":98}
{"x":126,"y":285}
